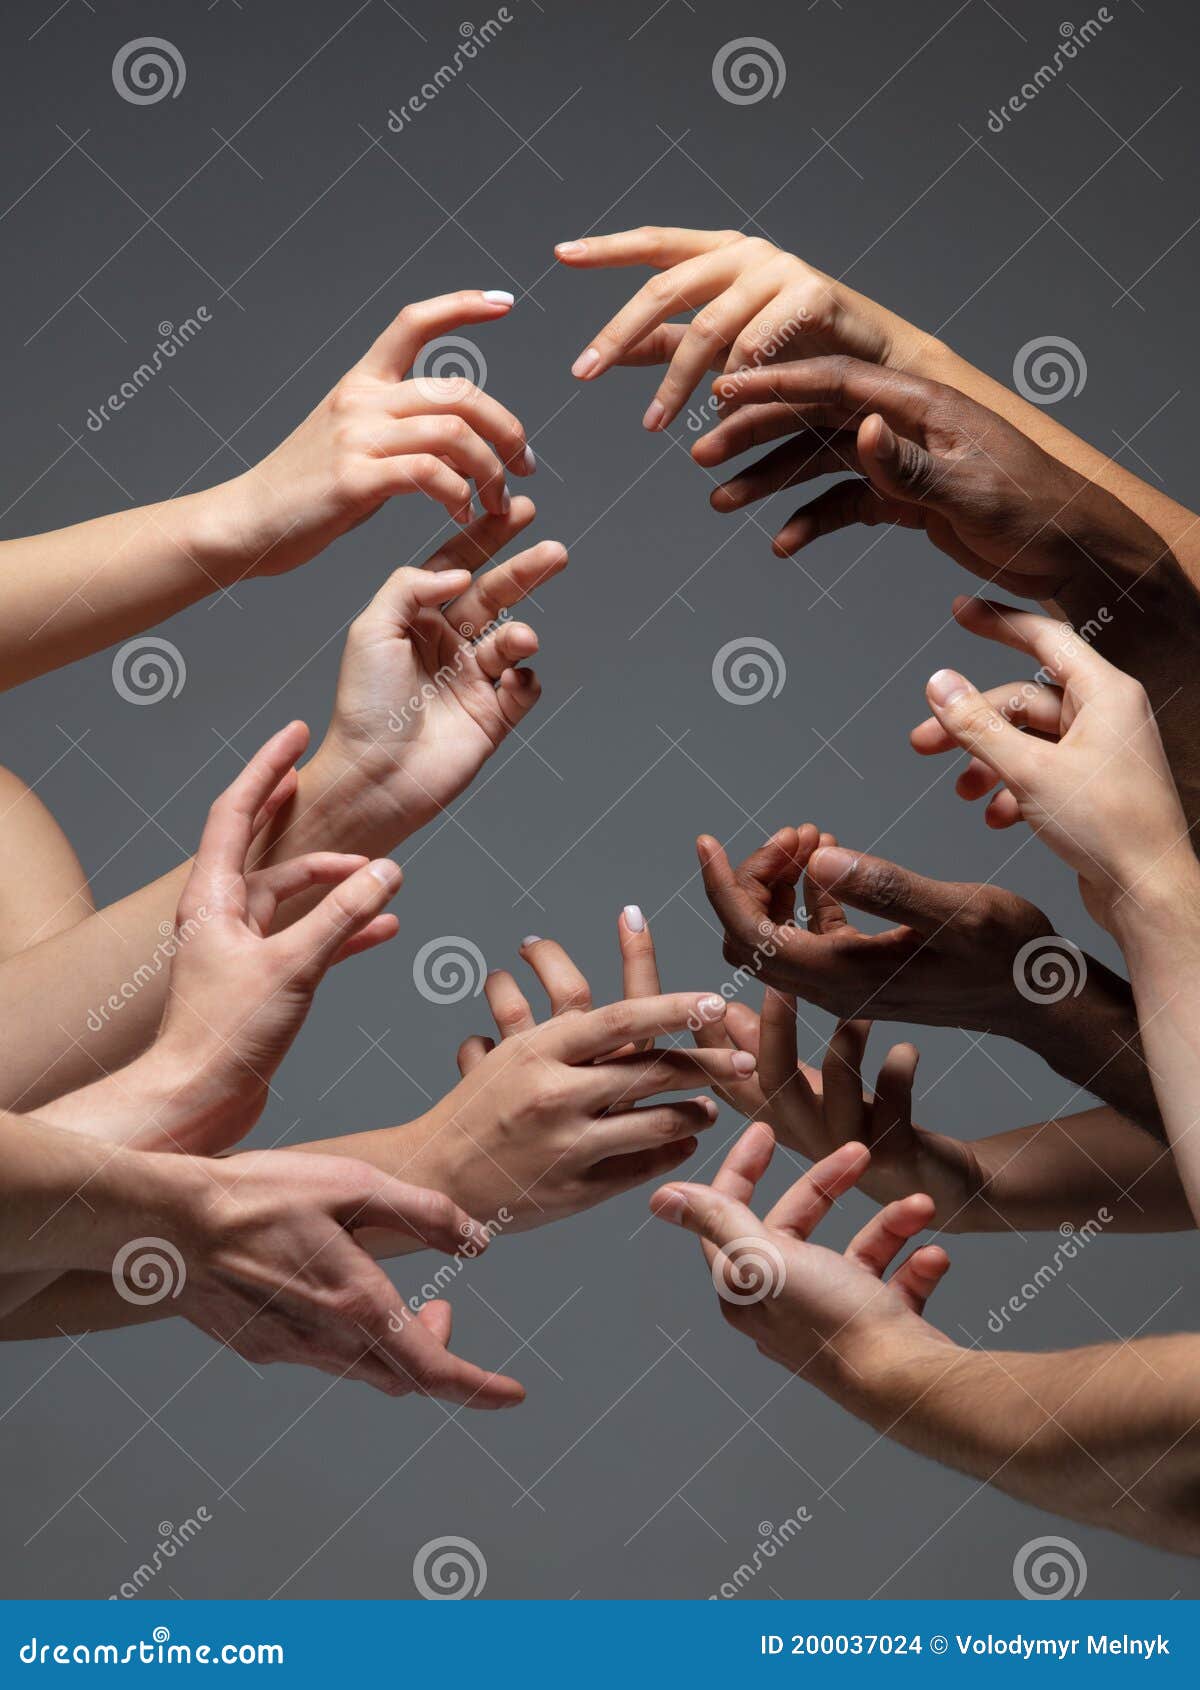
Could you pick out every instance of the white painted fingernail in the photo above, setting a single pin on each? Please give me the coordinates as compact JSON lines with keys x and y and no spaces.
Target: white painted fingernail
{"x":530,"y":461}
{"x":711,"y":1007}
{"x":585,"y":363}
{"x":634,"y":919}
{"x":531,"y":939}
{"x":505,"y":502}
{"x":497,"y":296}
{"x":569,"y":249}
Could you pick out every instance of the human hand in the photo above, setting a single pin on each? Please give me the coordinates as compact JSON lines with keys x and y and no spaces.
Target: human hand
{"x":1094,"y":781}
{"x":754,"y":303}
{"x":545,"y":1123}
{"x":379,"y":432}
{"x":812,"y":1310}
{"x":429,"y":689}
{"x":926,"y":457}
{"x":271,"y":1267}
{"x":817,"y":1111}
{"x":238,"y":991}
{"x":948,"y":961}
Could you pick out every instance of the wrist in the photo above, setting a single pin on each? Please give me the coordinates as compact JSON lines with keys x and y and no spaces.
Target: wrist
{"x":1160,"y":906}
{"x":876,"y":1368}
{"x":339,"y":805}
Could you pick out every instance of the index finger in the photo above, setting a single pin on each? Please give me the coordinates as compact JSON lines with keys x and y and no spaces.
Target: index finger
{"x":1056,"y":645}
{"x":393,"y":354}
{"x":734,"y":905}
{"x":579,"y":1038}
{"x":229,"y":830}
{"x":651,"y":245}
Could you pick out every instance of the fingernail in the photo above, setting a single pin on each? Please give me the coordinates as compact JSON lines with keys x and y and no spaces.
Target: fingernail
{"x":711,"y":1007}
{"x":530,"y":462}
{"x":634,"y":919}
{"x":569,"y":249}
{"x":655,"y":412}
{"x":505,"y":502}
{"x":531,"y":939}
{"x":743,"y":1062}
{"x":708,"y":1106}
{"x":835,"y":864}
{"x":497,"y":296}
{"x":671,"y":1206}
{"x":386,"y":872}
{"x":586,"y":362}
{"x":946,"y":686}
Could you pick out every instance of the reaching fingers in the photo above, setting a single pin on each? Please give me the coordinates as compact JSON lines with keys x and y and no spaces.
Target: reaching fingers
{"x":580,"y":1038}
{"x":747,"y":1162}
{"x":564,"y":984}
{"x":685,"y":287}
{"x":885,"y":889}
{"x":886,"y":1233}
{"x":841,"y":506}
{"x":472,"y":1052}
{"x":283,"y":793}
{"x":267,"y":888}
{"x":508,"y":1004}
{"x":503,"y":646}
{"x":639,"y":964}
{"x":432,"y":396}
{"x":376,"y":932}
{"x":719,"y":1219}
{"x":891,"y":1129}
{"x":919,"y":1275}
{"x":487,"y":598}
{"x":456,"y":444}
{"x":979,"y":728}
{"x":709,"y":337}
{"x":844,"y":1106}
{"x":621,"y":1079}
{"x":804,"y":459}
{"x":825,"y":912}
{"x":373,"y":1199}
{"x":479,"y":542}
{"x":418,"y":1356}
{"x":617,"y":1174}
{"x":216,"y":880}
{"x":517,"y":691}
{"x":658,"y":247}
{"x":393,"y":355}
{"x":1062,"y":654}
{"x":799,"y":1210}
{"x":407,"y":592}
{"x":312,"y":943}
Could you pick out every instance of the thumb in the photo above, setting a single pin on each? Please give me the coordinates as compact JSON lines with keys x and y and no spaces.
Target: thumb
{"x":881,"y":888}
{"x":408,"y":591}
{"x":897,"y":467}
{"x":975,"y":724}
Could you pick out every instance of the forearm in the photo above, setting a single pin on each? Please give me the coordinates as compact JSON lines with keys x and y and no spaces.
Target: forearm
{"x":1178,"y":526}
{"x":1090,"y":1038}
{"x":79,"y":589}
{"x":1089,"y":1172}
{"x":1161,"y":942}
{"x":1106,"y":1436}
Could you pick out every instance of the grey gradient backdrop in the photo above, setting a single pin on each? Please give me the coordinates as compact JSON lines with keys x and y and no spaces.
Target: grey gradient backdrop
{"x":654,"y":1442}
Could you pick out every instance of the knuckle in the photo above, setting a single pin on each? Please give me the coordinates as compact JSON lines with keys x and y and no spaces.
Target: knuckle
{"x":577,"y":999}
{"x":706,"y":329}
{"x":616,"y":1021}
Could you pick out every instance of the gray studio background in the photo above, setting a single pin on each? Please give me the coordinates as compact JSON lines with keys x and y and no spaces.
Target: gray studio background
{"x":655,"y":1444}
